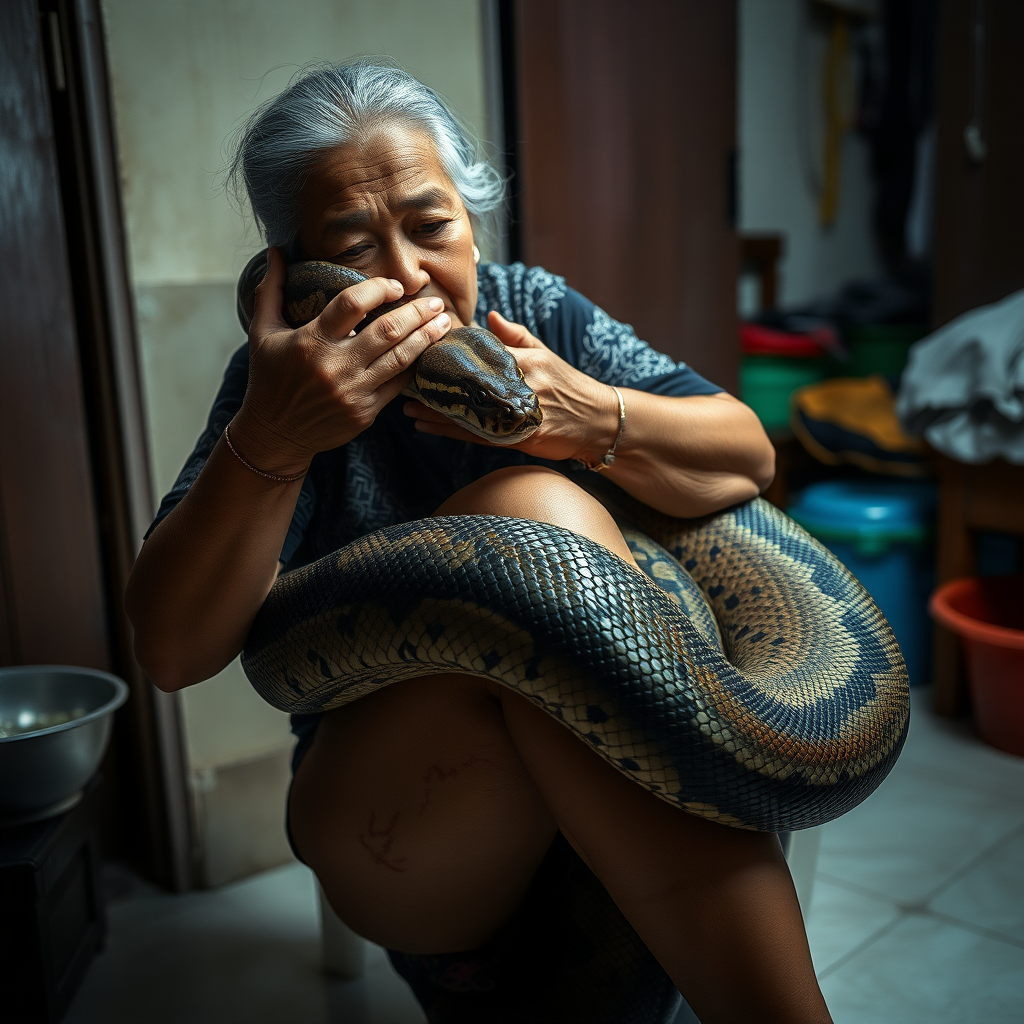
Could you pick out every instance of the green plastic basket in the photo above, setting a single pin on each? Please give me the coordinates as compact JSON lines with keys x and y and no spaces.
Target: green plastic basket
{"x":880,"y":348}
{"x":766,"y":382}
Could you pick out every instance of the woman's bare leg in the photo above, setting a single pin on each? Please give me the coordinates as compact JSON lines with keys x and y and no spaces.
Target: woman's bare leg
{"x":426,"y":808}
{"x":715,"y":905}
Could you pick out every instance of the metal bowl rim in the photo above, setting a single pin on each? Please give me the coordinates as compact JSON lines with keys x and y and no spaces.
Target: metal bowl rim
{"x":120,"y":696}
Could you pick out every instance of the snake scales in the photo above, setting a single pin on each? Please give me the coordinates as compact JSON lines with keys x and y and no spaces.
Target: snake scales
{"x":745,"y":676}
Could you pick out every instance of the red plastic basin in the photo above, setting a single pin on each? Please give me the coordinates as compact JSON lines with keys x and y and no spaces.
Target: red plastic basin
{"x":988,"y":616}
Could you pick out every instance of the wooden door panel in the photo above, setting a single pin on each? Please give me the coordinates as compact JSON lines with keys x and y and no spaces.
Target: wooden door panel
{"x":979,"y":205}
{"x":53,"y":581}
{"x":625,"y":141}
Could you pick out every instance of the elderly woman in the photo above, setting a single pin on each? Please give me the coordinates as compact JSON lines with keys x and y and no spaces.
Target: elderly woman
{"x":429,"y":810}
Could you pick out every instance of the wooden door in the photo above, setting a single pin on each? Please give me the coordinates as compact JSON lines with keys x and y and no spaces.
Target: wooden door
{"x":979,"y":198}
{"x":74,"y":483}
{"x":625,"y":135}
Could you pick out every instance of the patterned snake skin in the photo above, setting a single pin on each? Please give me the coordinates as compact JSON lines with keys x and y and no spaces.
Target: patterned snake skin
{"x":744,"y":676}
{"x":747,"y":677}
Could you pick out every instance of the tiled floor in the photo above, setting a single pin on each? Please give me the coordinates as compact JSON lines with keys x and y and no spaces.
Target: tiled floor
{"x":917,"y":913}
{"x":917,"y":917}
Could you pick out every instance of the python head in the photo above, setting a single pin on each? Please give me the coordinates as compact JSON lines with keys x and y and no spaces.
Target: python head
{"x":471,"y":378}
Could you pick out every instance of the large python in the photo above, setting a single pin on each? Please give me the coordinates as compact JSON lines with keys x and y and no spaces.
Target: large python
{"x":743,"y":676}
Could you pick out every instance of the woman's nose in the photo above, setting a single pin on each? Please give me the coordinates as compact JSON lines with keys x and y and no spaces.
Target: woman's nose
{"x":402,"y":263}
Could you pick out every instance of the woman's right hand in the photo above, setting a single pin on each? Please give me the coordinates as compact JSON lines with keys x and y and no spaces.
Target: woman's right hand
{"x":317,"y":387}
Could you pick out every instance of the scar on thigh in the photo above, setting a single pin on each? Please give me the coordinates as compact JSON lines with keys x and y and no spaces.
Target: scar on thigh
{"x":378,"y":842}
{"x":437,"y":773}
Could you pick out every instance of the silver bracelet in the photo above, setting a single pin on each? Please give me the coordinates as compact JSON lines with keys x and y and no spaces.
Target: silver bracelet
{"x":609,"y":456}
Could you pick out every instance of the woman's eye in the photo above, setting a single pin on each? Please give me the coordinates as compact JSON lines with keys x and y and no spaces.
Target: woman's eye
{"x":350,"y":254}
{"x":433,"y":227}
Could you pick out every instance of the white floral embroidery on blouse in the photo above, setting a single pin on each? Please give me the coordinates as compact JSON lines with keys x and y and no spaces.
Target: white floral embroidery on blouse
{"x":613,"y":353}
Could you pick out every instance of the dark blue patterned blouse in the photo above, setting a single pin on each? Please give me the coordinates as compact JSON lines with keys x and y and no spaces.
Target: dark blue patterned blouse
{"x":392,"y":473}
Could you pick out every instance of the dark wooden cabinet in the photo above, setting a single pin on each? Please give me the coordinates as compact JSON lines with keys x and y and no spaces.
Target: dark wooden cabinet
{"x":625,"y":144}
{"x":979,"y":258}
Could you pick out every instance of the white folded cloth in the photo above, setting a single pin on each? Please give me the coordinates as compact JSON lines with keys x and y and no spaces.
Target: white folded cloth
{"x":963,"y":388}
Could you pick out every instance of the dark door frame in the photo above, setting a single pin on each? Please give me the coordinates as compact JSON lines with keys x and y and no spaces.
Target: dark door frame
{"x":75,"y":490}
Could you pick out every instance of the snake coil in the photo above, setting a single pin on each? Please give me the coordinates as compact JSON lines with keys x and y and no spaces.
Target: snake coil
{"x":745,"y":676}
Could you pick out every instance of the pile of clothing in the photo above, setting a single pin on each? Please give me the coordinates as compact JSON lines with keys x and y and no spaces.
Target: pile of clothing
{"x":963,"y":388}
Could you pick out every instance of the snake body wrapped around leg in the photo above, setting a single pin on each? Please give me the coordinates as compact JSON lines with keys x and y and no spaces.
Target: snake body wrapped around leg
{"x":743,"y":676}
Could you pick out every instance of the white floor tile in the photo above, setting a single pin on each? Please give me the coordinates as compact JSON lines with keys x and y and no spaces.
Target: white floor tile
{"x":840,"y":920}
{"x":991,"y":893}
{"x":924,"y":971}
{"x":247,"y":953}
{"x":948,"y":799}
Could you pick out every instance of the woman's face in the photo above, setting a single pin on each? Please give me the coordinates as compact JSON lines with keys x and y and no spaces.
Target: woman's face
{"x":385,"y":207}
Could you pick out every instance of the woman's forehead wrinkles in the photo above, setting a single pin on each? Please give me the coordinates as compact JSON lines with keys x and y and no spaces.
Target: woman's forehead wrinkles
{"x":377,"y":177}
{"x":355,"y":205}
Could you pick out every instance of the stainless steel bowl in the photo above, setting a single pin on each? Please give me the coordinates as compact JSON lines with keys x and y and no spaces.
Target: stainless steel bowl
{"x":55,"y":724}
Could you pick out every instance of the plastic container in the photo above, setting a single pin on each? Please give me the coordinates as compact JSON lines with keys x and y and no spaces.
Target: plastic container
{"x":880,"y":348}
{"x":881,"y":530}
{"x":766,"y":382}
{"x":774,"y":364}
{"x":988,"y":616}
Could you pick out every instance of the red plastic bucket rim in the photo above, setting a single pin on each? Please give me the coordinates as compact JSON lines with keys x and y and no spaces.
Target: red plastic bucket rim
{"x":966,"y":626}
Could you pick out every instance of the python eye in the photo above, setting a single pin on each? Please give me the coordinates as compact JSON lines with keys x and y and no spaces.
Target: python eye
{"x":480,"y":397}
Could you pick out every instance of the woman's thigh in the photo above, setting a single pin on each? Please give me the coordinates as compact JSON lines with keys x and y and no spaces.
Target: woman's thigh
{"x":413,"y":806}
{"x":416,"y":814}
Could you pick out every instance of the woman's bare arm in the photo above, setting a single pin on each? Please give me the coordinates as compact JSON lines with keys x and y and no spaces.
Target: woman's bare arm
{"x":683,"y":456}
{"x":689,"y":456}
{"x":206,"y":569}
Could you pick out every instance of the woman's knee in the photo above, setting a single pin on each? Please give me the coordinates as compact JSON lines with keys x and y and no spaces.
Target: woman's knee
{"x":541,"y":494}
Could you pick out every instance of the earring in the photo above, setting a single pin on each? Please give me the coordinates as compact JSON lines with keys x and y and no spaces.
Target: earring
{"x":476,"y":254}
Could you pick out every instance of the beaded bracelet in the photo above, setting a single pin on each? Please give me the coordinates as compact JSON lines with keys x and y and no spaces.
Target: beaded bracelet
{"x":259,"y":472}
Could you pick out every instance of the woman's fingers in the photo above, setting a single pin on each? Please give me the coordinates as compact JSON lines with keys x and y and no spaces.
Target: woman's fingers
{"x":392,"y":344}
{"x":511,"y":334}
{"x":399,"y":325}
{"x":350,"y":306}
{"x":267,"y":316}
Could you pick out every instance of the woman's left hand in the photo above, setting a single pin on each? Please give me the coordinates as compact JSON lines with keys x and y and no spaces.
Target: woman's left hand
{"x":581,"y":415}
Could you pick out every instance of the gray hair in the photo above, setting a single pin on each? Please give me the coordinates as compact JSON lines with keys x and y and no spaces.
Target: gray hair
{"x":329,"y":105}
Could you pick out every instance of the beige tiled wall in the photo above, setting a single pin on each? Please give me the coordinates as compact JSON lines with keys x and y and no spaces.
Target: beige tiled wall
{"x":184,"y":75}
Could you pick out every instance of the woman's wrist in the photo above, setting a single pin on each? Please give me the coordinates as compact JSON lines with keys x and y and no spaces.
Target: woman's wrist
{"x":607,"y":424}
{"x":264,"y":453}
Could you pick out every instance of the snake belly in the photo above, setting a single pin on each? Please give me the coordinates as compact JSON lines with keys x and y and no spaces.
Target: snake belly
{"x":745,"y":676}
